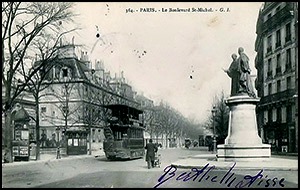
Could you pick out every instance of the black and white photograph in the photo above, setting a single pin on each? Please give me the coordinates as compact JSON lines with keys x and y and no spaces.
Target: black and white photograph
{"x":149,"y":94}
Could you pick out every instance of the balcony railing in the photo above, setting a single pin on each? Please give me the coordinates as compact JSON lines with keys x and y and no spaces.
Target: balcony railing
{"x":280,"y":17}
{"x":287,"y":94}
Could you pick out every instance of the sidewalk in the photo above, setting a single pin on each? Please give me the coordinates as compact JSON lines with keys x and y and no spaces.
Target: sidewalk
{"x":274,"y":163}
{"x":52,"y":158}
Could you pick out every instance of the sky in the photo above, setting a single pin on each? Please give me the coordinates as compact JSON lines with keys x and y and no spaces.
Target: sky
{"x":176,"y":57}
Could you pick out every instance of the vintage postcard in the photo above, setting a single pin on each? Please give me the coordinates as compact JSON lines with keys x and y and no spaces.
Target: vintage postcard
{"x":149,"y":94}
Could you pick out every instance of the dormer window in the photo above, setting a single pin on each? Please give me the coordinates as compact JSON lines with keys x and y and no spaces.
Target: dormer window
{"x":65,"y":73}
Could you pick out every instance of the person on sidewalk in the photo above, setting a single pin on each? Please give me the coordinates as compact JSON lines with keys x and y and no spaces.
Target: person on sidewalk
{"x":150,"y":153}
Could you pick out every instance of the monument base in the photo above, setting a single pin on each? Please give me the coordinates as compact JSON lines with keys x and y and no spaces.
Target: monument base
{"x":243,"y":153}
{"x":243,"y":141}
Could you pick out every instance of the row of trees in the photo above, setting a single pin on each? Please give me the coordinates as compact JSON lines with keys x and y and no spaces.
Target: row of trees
{"x":165,"y":120}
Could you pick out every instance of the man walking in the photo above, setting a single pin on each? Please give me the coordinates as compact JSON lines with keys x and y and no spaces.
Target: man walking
{"x":150,"y":153}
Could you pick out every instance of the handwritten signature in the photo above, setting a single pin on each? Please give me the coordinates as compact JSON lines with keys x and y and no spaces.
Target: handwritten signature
{"x":228,"y":179}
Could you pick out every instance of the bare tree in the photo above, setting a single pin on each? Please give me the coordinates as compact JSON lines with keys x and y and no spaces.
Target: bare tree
{"x":221,"y":118}
{"x":149,"y":120}
{"x":47,"y":50}
{"x":22,"y":23}
{"x":173,"y":124}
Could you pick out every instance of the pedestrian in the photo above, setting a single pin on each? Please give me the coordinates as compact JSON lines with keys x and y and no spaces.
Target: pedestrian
{"x":150,"y":153}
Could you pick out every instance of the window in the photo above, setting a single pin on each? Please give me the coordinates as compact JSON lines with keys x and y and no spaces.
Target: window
{"x":269,"y":45}
{"x":70,"y":142}
{"x":43,"y":109}
{"x":278,"y":64}
{"x":75,"y":142}
{"x":65,"y":72}
{"x":82,"y":142}
{"x":278,"y":38}
{"x":270,"y":115}
{"x":289,"y":114}
{"x":278,"y":86}
{"x":269,"y":16}
{"x":278,"y":114}
{"x":288,"y":82}
{"x":270,"y":88}
{"x":278,"y":57}
{"x":269,"y":72}
{"x":288,"y":32}
{"x":288,"y":59}
{"x":270,"y":64}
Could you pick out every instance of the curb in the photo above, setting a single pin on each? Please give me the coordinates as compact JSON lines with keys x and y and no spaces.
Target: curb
{"x":47,"y":160}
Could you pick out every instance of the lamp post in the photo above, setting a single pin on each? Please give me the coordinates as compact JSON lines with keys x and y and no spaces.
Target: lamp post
{"x":65,"y":110}
{"x":214,"y":111}
{"x":58,"y":144}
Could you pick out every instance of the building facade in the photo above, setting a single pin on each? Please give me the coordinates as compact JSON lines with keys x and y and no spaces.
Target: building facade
{"x":72,"y":112}
{"x":276,"y":64}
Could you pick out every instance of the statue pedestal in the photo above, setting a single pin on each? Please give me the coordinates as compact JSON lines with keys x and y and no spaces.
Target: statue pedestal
{"x":243,"y":142}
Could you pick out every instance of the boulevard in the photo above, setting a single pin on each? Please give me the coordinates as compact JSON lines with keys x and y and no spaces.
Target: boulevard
{"x":91,"y":172}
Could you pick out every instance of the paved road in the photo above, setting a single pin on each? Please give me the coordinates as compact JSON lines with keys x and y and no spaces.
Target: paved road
{"x":99,"y":172}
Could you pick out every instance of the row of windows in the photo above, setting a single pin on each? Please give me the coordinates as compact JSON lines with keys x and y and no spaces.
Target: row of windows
{"x":278,"y":39}
{"x":281,"y":114}
{"x":288,"y":62}
{"x":278,"y":85}
{"x":77,"y":142}
{"x":267,"y":17}
{"x":136,"y":133}
{"x":131,"y":133}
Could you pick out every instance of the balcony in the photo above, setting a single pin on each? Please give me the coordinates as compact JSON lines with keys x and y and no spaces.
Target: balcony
{"x":280,"y":17}
{"x":279,"y":96}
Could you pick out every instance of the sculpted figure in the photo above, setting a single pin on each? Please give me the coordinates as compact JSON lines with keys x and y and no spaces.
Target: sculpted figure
{"x":245,"y":80}
{"x":239,"y":72}
{"x":234,"y":73}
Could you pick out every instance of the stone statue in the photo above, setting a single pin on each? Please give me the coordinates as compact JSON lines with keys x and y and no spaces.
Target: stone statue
{"x":234,"y":74}
{"x":239,"y":72}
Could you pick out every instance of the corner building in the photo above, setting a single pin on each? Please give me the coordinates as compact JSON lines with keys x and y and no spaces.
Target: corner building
{"x":276,"y":64}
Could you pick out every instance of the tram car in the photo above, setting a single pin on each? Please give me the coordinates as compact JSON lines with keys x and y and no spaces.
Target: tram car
{"x":124,"y":133}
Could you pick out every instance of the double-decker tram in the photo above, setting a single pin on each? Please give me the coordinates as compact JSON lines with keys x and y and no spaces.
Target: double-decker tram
{"x":124,"y":133}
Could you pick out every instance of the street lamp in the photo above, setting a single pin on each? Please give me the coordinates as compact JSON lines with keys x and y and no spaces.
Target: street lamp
{"x":214,"y":111}
{"x":58,"y":144}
